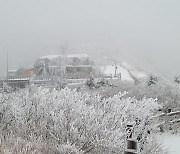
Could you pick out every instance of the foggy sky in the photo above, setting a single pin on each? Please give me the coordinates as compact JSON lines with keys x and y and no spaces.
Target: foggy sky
{"x":142,"y":33}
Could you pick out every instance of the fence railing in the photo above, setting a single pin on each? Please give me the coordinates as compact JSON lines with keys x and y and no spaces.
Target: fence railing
{"x":167,"y":119}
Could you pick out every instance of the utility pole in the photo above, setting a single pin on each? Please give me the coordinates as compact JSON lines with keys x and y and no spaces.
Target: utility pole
{"x":115,"y":71}
{"x":7,"y":61}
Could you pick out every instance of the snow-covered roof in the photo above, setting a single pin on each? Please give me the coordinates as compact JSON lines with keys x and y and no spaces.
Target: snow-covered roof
{"x":77,"y":55}
{"x":12,"y":71}
{"x":51,"y":57}
{"x":80,"y":66}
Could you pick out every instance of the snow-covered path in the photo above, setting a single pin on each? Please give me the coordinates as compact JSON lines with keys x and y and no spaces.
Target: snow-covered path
{"x":172,"y":142}
{"x":110,"y":70}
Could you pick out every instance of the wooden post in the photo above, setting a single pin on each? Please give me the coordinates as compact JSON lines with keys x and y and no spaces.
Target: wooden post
{"x":131,"y":146}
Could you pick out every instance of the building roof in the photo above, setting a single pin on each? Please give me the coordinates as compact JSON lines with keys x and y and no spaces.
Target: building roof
{"x":51,"y":57}
{"x":77,"y":55}
{"x":79,"y":66}
{"x":12,"y":71}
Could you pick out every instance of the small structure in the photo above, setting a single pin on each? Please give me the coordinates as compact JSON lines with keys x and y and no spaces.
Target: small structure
{"x":21,"y":73}
{"x":28,"y":73}
{"x":131,"y":143}
{"x":12,"y":74}
{"x":19,"y":78}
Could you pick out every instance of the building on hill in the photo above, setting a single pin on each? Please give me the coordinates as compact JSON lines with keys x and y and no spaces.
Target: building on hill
{"x":69,"y":66}
{"x":21,"y":73}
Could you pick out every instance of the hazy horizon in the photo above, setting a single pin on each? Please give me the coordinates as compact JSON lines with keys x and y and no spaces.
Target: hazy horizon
{"x":142,"y":33}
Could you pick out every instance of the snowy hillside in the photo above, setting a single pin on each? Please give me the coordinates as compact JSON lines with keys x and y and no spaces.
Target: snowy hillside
{"x":110,"y":70}
{"x":127,"y":72}
{"x":135,"y":72}
{"x":171,"y":142}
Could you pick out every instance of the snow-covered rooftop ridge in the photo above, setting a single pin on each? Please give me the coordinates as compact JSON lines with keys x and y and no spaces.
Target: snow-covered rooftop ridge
{"x":79,"y":66}
{"x":77,"y":55}
{"x":50,"y":57}
{"x":12,"y":71}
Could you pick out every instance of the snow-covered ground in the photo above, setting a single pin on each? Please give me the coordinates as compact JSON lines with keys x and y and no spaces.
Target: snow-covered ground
{"x":134,"y":71}
{"x":110,"y":70}
{"x":128,"y":72}
{"x":172,"y":142}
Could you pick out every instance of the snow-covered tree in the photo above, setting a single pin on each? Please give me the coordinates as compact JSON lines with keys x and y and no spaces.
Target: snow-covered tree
{"x":83,"y":122}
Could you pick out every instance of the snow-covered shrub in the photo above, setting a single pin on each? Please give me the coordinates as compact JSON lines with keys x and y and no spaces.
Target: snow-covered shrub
{"x":152,"y":80}
{"x":168,"y":94}
{"x":109,"y":89}
{"x":90,"y":82}
{"x":86,"y":123}
{"x":20,"y":146}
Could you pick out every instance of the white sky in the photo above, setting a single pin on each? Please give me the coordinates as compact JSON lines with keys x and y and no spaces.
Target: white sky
{"x":144,"y":33}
